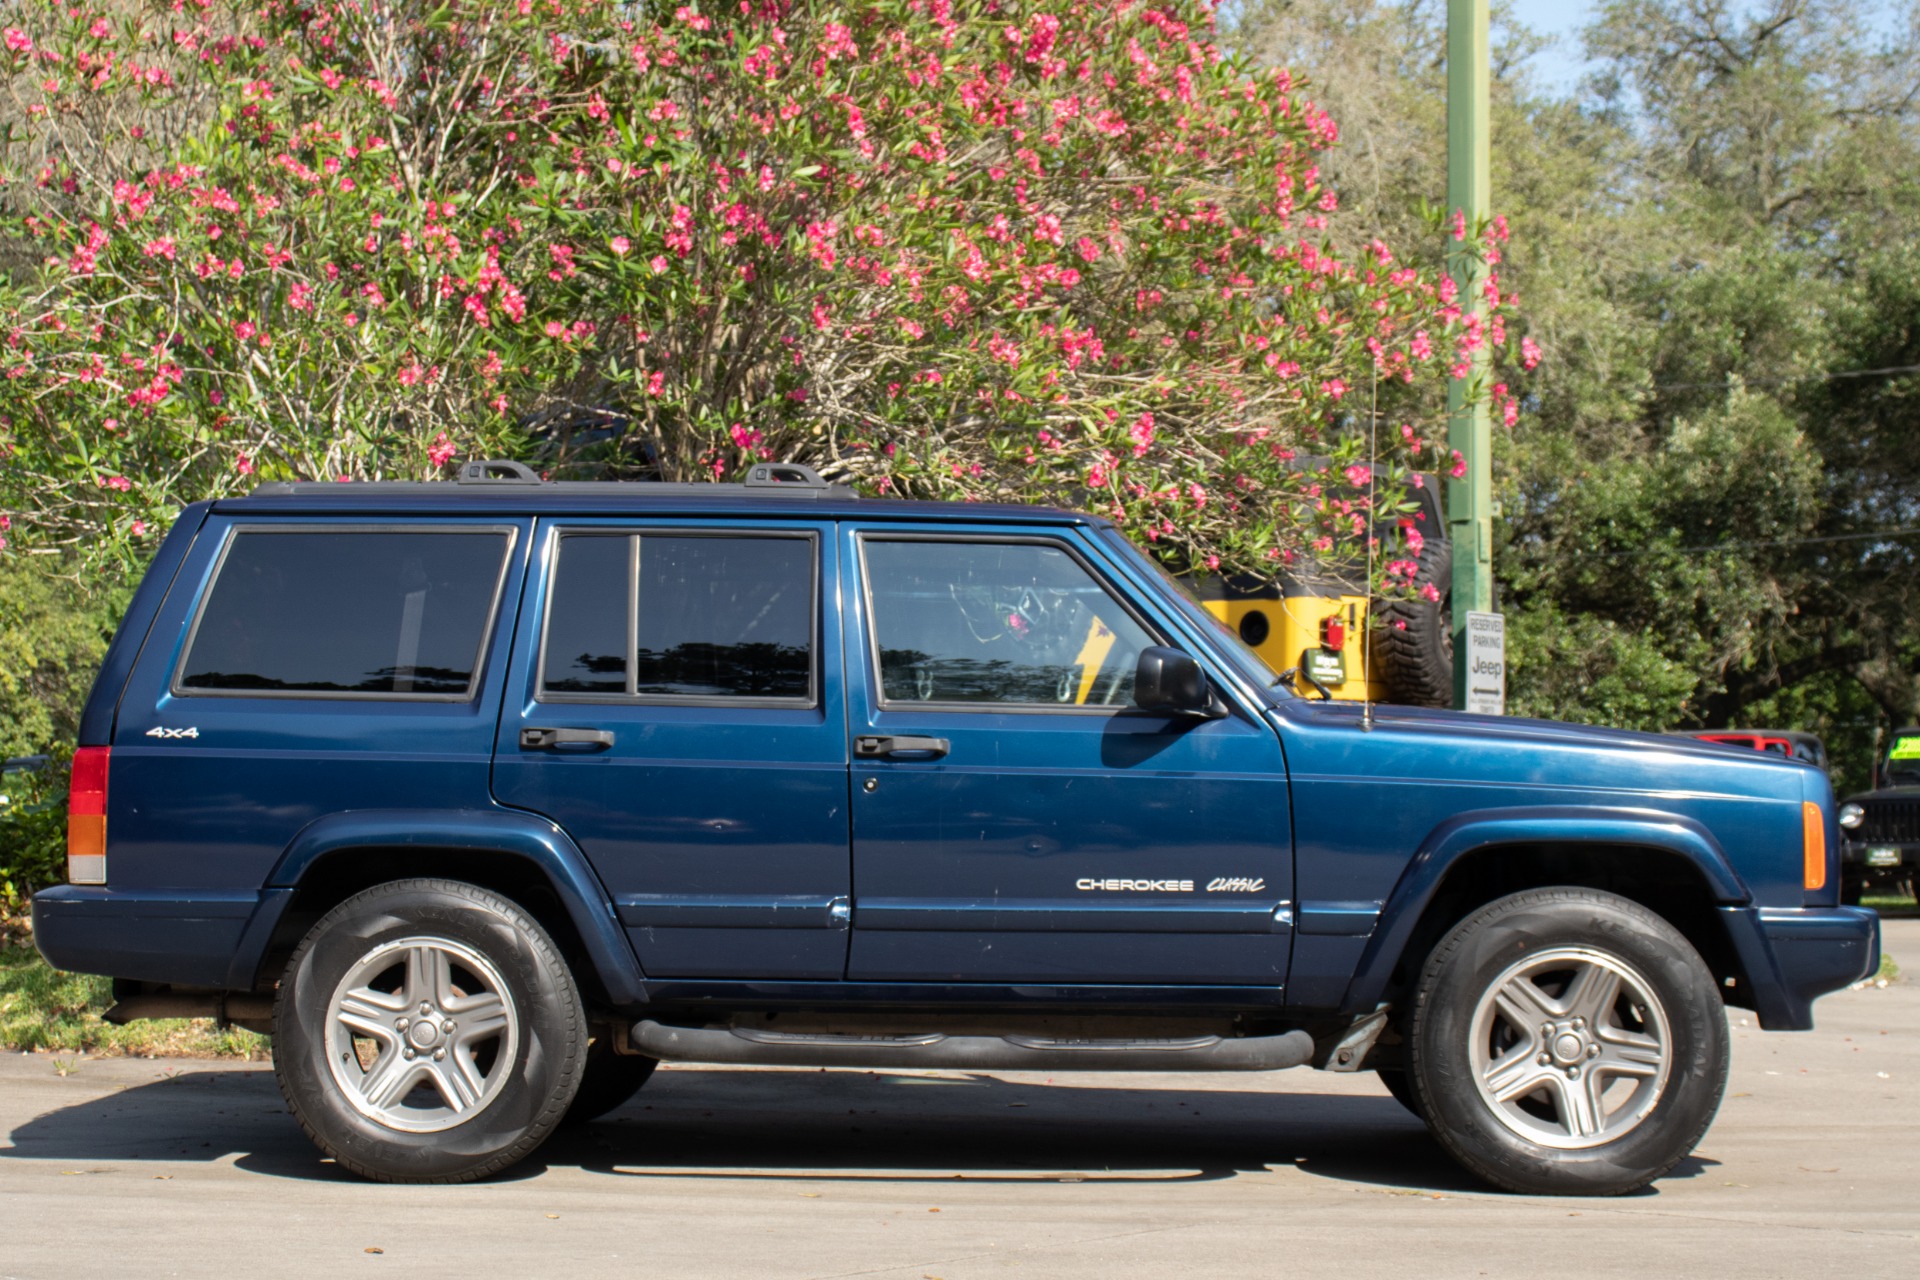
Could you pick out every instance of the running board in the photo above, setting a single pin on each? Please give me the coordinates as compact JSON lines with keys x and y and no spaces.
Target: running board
{"x":750,"y":1046}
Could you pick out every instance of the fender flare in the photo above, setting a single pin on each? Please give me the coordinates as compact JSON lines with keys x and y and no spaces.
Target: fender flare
{"x":533,"y":839}
{"x":1480,"y":829}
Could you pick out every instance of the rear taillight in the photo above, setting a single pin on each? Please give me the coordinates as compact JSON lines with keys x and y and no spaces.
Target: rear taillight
{"x":87,"y":817}
{"x":1813,"y":844}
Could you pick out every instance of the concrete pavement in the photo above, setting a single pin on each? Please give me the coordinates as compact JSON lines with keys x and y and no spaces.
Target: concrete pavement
{"x":141,"y":1167}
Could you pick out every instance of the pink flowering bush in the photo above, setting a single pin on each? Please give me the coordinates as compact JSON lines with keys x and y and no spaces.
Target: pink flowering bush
{"x":984,"y":249}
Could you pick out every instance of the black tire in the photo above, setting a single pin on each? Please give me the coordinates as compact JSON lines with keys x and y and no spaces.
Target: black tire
{"x":1414,"y":639}
{"x":609,"y":1080}
{"x":1663,"y":996}
{"x":520,"y":1052}
{"x":1400,"y":1085}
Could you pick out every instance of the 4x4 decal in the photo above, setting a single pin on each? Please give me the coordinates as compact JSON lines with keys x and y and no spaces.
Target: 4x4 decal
{"x":191,"y":731}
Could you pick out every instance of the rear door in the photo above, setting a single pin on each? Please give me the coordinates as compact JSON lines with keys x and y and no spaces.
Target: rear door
{"x":1016,"y":818}
{"x":675,"y":706}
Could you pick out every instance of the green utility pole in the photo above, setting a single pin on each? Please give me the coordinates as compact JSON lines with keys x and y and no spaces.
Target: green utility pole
{"x":1469,"y":430}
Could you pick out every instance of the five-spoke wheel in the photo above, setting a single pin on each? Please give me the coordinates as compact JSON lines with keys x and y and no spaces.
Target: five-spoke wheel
{"x":428,"y":1031}
{"x":1567,"y":1041}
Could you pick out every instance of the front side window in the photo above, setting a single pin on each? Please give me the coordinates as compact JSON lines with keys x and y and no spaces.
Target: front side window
{"x":667,"y":615}
{"x":360,"y":613}
{"x":1008,"y":623}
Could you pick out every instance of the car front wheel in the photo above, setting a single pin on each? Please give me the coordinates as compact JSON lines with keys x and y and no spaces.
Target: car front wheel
{"x":1567,"y":1041}
{"x":428,"y":1031}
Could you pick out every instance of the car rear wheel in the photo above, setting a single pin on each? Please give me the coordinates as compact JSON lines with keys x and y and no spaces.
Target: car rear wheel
{"x":428,"y":1031}
{"x":1568,"y":1042}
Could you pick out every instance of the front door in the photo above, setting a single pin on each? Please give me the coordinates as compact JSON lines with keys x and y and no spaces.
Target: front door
{"x":1015,"y":818}
{"x":671,"y":708}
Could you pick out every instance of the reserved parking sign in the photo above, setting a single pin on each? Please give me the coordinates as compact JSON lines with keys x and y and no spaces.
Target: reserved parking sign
{"x":1487,"y":663}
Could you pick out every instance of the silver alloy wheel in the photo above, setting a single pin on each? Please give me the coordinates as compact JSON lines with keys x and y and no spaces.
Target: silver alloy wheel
{"x":421,"y":1034}
{"x":1570,"y":1048}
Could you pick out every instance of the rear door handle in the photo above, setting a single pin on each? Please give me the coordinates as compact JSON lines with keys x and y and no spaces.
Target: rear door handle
{"x":873,"y":746}
{"x":565,"y":739}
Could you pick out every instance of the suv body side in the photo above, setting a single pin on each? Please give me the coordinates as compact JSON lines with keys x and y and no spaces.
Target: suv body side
{"x":1393,"y":815}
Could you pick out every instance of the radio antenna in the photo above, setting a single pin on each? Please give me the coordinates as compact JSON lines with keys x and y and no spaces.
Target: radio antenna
{"x":1373,"y":538}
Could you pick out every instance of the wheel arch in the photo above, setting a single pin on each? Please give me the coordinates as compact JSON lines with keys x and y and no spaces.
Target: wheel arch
{"x":1669,"y":864}
{"x":518,"y":855}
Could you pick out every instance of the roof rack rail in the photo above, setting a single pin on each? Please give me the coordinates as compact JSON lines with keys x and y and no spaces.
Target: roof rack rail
{"x":491,"y":475}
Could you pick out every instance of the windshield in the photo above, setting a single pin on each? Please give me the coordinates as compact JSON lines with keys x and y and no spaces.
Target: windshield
{"x":1903,"y":762}
{"x":1251,"y":664}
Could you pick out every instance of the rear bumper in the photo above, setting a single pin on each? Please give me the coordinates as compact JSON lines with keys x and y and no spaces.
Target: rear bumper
{"x":190,"y":940}
{"x":1794,"y":955}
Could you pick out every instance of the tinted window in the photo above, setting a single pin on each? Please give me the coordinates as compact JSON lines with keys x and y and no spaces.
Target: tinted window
{"x":998,"y":623}
{"x":388,"y":612}
{"x":587,"y":620}
{"x":712,"y":617}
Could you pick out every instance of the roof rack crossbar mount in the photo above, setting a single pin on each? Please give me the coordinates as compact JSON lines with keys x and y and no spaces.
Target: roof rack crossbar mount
{"x":497,"y":471}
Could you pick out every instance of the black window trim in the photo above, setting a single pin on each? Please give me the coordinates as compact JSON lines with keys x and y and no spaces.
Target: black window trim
{"x":633,"y":534}
{"x":883,"y":703}
{"x":512,"y":531}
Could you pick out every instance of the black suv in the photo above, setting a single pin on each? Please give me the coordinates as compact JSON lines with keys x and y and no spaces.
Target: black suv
{"x":1881,"y":827}
{"x":484,"y":798}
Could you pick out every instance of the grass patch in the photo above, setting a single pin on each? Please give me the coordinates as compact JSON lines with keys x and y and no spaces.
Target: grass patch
{"x":47,"y":1011}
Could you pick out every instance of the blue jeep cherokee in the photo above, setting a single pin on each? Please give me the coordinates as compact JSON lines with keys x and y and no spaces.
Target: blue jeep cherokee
{"x":484,"y":798}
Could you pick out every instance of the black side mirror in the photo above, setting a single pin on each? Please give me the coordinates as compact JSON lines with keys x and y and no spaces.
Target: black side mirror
{"x":1171,"y":682}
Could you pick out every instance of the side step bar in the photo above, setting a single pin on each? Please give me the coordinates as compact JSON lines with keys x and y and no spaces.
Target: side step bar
{"x":980,"y":1053}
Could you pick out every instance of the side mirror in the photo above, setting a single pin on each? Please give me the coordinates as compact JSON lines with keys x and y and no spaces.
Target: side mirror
{"x":1171,"y":682}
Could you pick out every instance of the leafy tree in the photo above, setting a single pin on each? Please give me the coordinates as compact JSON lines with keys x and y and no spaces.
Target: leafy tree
{"x":959,"y":248}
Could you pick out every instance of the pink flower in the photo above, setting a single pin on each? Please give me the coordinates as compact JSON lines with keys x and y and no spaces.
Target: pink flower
{"x":120,"y":483}
{"x":441,"y":451}
{"x":243,"y":464}
{"x":1530,"y":353}
{"x":1459,"y":465}
{"x":658,"y":263}
{"x":244,"y":330}
{"x":1430,"y":593}
{"x":620,"y":245}
{"x":139,"y":528}
{"x":18,"y":41}
{"x":1359,"y":475}
{"x":1459,"y":224}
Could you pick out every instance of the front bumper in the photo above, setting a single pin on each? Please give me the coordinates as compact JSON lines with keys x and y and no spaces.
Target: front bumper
{"x":1871,"y":854}
{"x":1794,"y":955}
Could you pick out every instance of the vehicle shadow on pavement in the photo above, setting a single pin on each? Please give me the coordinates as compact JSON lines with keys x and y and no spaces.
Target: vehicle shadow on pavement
{"x":827,"y":1126}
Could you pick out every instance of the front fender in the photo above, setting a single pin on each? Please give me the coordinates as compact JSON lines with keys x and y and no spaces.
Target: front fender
{"x":1481,"y":829}
{"x":507,"y":831}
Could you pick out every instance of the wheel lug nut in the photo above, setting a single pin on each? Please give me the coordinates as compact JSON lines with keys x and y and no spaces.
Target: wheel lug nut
{"x":1593,"y":1051}
{"x":447,"y":1026}
{"x":1573,"y":1072}
{"x":400,"y":1023}
{"x":439,"y":1055}
{"x":1545,"y":1058}
{"x":1579,"y":1023}
{"x":425,"y":1008}
{"x":408,"y":1055}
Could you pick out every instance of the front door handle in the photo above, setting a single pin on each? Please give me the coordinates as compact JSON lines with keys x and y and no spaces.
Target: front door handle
{"x":565,"y":739}
{"x":872,"y":746}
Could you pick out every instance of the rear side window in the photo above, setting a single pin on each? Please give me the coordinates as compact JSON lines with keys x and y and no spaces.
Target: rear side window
{"x":385,"y":613}
{"x":678,"y":616}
